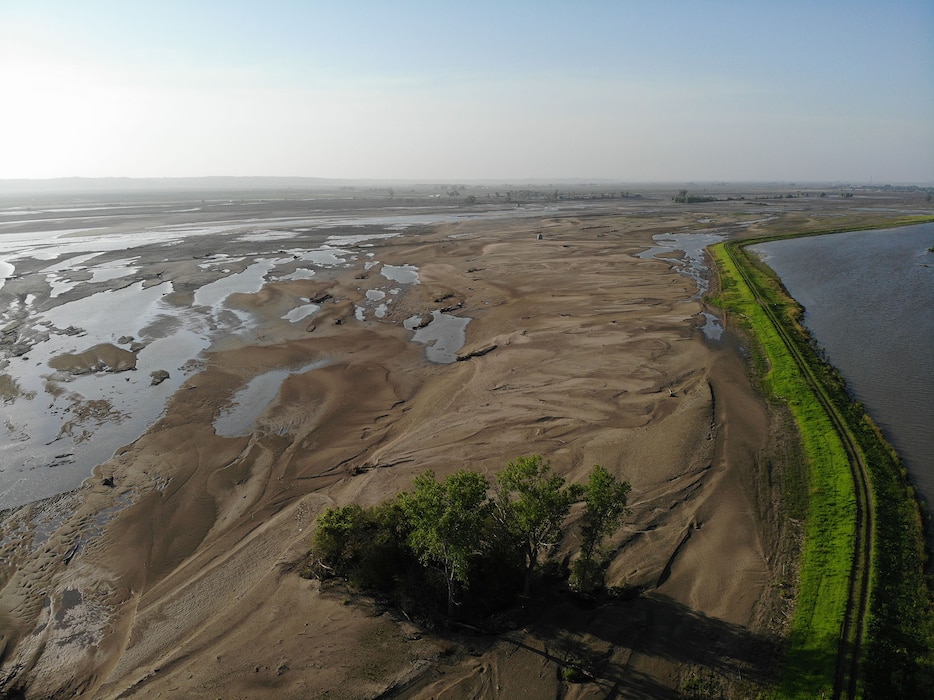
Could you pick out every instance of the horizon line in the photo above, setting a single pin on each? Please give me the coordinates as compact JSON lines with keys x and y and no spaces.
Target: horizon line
{"x":47,"y":182}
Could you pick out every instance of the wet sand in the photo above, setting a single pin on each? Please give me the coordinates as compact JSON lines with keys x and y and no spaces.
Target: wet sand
{"x":179,"y":576}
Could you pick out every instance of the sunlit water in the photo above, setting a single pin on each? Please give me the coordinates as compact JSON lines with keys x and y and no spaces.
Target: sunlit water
{"x":55,"y":427}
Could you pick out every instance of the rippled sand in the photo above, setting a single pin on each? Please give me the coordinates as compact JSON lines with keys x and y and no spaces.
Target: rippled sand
{"x":171,"y":570}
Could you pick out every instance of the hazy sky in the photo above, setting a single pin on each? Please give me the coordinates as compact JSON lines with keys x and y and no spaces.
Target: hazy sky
{"x":628,"y":90}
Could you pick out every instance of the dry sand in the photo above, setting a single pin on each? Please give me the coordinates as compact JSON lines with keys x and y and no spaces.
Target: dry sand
{"x":180,"y":580}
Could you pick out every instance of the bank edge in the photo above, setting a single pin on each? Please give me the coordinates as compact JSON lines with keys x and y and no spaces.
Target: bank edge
{"x":894,"y":651}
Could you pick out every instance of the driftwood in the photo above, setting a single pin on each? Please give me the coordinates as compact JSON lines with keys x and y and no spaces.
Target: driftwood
{"x":477,"y":353}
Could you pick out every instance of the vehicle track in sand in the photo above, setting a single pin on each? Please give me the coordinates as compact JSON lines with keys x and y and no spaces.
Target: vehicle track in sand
{"x":853,"y":627}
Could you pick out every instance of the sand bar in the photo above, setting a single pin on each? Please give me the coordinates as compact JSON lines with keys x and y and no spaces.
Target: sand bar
{"x":172,"y":570}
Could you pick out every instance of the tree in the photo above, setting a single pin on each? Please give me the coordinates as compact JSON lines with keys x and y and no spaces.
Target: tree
{"x":334,"y":541}
{"x":606,"y":498}
{"x":531,"y":504}
{"x":365,"y":546}
{"x":447,"y":522}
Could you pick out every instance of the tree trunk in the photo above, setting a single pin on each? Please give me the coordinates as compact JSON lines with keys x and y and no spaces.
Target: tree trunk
{"x":450,"y":578}
{"x":530,"y":569}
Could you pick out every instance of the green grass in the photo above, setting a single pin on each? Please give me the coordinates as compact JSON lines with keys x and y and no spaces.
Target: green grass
{"x":800,"y":228}
{"x":830,"y":520}
{"x":897,"y":651}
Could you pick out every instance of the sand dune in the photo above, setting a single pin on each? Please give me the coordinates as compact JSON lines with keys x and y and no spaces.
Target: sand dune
{"x":180,"y":578}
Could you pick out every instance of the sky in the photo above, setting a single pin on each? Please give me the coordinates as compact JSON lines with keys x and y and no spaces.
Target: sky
{"x":633,"y":91}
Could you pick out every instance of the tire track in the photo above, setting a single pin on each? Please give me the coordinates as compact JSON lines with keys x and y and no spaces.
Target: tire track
{"x":852,"y":632}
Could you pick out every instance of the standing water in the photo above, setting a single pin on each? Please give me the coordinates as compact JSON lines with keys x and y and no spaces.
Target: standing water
{"x":869,"y":303}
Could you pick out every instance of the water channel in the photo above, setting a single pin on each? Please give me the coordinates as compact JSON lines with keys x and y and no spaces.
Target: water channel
{"x":869,"y":303}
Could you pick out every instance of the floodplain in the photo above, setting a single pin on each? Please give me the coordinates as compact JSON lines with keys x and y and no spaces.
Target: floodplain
{"x":154,"y":525}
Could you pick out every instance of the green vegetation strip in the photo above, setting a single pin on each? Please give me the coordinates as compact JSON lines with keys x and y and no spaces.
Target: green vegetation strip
{"x":834,"y":430}
{"x":830,"y":530}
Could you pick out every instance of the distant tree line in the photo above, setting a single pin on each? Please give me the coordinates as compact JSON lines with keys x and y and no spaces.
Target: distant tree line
{"x":467,"y":546}
{"x":532,"y":195}
{"x":684,"y":198}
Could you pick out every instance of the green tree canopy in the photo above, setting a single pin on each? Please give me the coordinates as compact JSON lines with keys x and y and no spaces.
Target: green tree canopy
{"x":363,"y":545}
{"x":447,"y":523}
{"x":532,"y":504}
{"x":606,"y":499}
{"x":486,"y":541}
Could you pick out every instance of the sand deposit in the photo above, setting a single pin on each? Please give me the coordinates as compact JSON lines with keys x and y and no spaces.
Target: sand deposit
{"x":173,"y":569}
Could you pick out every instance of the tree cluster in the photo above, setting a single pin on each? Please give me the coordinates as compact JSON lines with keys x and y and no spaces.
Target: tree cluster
{"x":468,"y":545}
{"x":684,"y":198}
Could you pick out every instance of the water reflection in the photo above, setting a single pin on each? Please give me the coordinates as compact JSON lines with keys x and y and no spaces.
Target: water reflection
{"x":247,"y":404}
{"x":712,"y":329}
{"x":406,"y":274}
{"x":869,"y":300}
{"x":443,"y":337}
{"x":57,"y":426}
{"x":694,"y":262}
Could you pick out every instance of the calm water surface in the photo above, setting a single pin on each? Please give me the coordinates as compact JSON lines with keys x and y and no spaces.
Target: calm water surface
{"x":56,"y":298}
{"x":869,"y":301}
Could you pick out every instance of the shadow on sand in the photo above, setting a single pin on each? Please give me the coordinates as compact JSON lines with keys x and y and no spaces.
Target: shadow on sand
{"x":648,"y":648}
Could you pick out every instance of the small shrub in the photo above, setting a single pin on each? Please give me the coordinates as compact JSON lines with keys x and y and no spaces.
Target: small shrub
{"x":702,"y":685}
{"x":627,"y":591}
{"x":587,"y":576}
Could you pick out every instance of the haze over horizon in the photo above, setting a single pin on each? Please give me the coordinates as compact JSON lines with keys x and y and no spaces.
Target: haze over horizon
{"x":672,"y":91}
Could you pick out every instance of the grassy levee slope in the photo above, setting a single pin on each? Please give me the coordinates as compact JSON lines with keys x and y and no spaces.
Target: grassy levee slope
{"x":890,"y":644}
{"x":830,"y":529}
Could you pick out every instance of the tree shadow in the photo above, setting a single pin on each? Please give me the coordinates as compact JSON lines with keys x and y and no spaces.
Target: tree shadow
{"x":611,"y":640}
{"x":613,"y":679}
{"x":647,"y":648}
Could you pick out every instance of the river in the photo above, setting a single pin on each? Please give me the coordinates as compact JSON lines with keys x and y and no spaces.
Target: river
{"x":869,"y":302}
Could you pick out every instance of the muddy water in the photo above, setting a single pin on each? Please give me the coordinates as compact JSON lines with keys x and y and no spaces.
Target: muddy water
{"x":66,"y":291}
{"x":869,"y":301}
{"x":694,"y":262}
{"x":443,"y":336}
{"x":248,"y":403}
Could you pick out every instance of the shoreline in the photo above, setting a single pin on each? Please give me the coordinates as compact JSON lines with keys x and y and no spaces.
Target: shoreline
{"x":888,"y":355}
{"x":589,"y":340}
{"x":922,"y":504}
{"x":184,"y":577}
{"x":876,"y":509}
